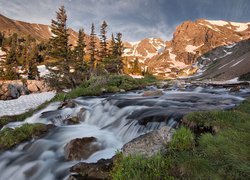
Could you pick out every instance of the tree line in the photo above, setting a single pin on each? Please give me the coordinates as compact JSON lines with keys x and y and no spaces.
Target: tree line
{"x":69,"y":65}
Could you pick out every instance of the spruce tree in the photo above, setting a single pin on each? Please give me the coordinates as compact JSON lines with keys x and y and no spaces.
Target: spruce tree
{"x":60,"y":51}
{"x":80,"y":51}
{"x":112,"y":47}
{"x":119,"y":51}
{"x":103,"y":42}
{"x":32,"y":63}
{"x":92,"y":50}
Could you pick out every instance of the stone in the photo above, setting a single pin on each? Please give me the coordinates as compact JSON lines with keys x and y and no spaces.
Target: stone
{"x":149,"y":144}
{"x":13,"y":91}
{"x":99,"y":170}
{"x":153,"y":93}
{"x":81,"y":148}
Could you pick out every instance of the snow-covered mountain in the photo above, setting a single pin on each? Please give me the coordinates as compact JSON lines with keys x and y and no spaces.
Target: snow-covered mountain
{"x":190,"y":41}
{"x":144,"y":49}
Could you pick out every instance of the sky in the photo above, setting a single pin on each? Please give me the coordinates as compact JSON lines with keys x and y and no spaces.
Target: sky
{"x":135,"y":19}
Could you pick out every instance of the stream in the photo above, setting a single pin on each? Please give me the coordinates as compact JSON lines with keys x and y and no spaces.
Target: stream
{"x":113,"y":119}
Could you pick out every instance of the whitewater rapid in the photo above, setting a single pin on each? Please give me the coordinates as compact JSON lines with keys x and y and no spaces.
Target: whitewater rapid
{"x":114,"y":120}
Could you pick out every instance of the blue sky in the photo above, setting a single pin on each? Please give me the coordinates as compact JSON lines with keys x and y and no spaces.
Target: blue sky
{"x":136,"y":19}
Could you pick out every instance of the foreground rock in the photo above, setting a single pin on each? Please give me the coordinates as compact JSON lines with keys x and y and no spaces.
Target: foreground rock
{"x":98,"y":170}
{"x":81,"y":148}
{"x":149,"y":144}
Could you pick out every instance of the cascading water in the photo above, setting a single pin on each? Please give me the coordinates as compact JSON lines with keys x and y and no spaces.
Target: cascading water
{"x":114,"y":120}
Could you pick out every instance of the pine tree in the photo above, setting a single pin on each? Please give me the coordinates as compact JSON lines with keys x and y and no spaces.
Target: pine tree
{"x":92,"y":50}
{"x":1,"y":39}
{"x":32,"y":63}
{"x":112,"y":48}
{"x":80,"y":51}
{"x":59,"y":39}
{"x":136,"y":67}
{"x":119,"y":51}
{"x":60,"y":50}
{"x":103,"y":42}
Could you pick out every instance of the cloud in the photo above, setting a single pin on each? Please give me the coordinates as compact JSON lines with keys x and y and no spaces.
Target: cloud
{"x":136,"y":19}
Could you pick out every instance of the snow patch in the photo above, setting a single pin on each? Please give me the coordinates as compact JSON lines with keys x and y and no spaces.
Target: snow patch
{"x":191,"y":48}
{"x":43,"y":71}
{"x":237,"y":62}
{"x":24,"y":103}
{"x":172,"y":56}
{"x":218,"y":22}
{"x":240,"y":26}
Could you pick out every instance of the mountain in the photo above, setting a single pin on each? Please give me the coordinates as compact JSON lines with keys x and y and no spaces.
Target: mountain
{"x":193,"y":39}
{"x":144,"y":49}
{"x":39,"y":31}
{"x":225,"y":62}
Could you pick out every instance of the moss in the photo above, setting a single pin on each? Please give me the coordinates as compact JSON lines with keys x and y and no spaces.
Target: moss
{"x":11,"y":137}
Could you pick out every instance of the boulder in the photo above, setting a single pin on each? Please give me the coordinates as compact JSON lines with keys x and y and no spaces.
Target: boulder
{"x":153,"y":93}
{"x":149,"y":144}
{"x":13,"y":91}
{"x":81,"y":148}
{"x":99,"y":170}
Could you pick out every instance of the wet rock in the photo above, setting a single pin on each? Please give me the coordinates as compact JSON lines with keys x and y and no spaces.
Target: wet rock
{"x":72,"y":120}
{"x":149,"y":144}
{"x":153,"y":93}
{"x":99,"y":170}
{"x":81,"y":148}
{"x":67,"y":104}
{"x":235,"y":89}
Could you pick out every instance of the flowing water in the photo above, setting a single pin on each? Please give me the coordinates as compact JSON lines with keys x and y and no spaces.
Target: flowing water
{"x":114,"y":120}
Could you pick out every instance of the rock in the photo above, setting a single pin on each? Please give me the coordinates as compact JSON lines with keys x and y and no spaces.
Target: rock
{"x":149,"y":144}
{"x":122,"y":90}
{"x":81,"y":148}
{"x":235,"y":89}
{"x":72,"y":120}
{"x":153,"y":93}
{"x":99,"y":170}
{"x":67,"y":104}
{"x":13,"y":91}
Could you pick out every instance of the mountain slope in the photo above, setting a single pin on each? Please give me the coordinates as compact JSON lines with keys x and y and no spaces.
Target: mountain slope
{"x":226,"y":62}
{"x":39,"y":31}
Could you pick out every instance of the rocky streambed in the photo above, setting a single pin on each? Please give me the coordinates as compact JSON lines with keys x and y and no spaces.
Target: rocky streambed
{"x":89,"y":129}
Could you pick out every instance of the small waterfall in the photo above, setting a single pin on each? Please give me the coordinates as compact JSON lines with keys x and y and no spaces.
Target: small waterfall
{"x":113,"y":120}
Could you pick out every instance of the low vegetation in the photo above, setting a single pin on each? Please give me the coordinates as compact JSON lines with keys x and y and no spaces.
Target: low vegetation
{"x":220,"y":154}
{"x":11,"y":137}
{"x":245,"y":77}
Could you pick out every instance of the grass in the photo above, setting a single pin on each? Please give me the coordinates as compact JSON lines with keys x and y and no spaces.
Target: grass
{"x":11,"y":137}
{"x":220,"y":154}
{"x":245,"y":77}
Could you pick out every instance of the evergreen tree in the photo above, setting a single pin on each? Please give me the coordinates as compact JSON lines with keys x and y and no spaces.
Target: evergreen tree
{"x":112,"y":48}
{"x":32,"y":63}
{"x":119,"y":51}
{"x":60,"y":51}
{"x":1,"y":39}
{"x":59,"y":40}
{"x":103,"y":42}
{"x":80,"y":51}
{"x":92,"y":49}
{"x":136,"y":67}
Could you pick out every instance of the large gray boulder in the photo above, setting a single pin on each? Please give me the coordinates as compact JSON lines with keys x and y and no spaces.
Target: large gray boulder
{"x":149,"y":144}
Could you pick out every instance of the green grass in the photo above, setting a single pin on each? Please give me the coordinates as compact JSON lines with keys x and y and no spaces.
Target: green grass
{"x":11,"y":137}
{"x":220,"y":154}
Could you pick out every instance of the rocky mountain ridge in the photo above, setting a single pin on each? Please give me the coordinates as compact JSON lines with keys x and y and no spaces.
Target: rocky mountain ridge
{"x":169,"y":59}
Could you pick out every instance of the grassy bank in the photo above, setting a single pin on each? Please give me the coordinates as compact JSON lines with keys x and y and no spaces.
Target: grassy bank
{"x":209,"y":145}
{"x":11,"y":137}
